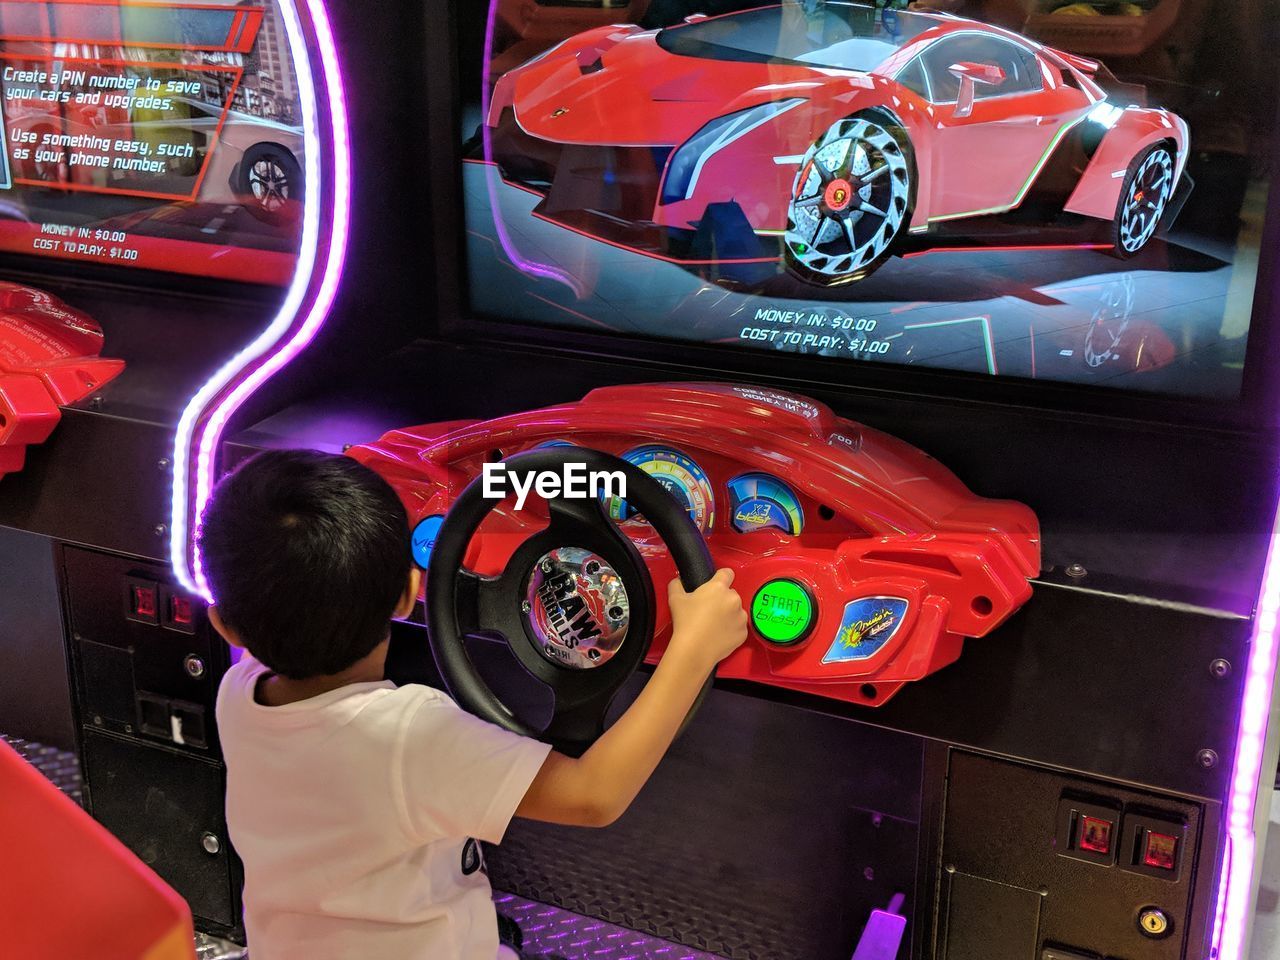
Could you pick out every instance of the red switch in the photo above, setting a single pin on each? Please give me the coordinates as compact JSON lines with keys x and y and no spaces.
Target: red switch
{"x":1095,"y":834}
{"x":180,"y":611}
{"x":1160,"y":850}
{"x":145,"y":602}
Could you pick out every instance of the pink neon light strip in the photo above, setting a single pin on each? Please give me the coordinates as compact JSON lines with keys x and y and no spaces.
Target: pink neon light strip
{"x":1231,"y":925}
{"x":525,"y":265}
{"x":205,"y":417}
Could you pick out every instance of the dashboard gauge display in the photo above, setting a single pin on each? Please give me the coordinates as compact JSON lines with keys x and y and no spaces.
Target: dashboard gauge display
{"x":757,"y":501}
{"x":683,"y":478}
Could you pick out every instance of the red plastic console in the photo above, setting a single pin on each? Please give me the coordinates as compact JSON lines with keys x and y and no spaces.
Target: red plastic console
{"x":902,"y":561}
{"x":49,"y":358}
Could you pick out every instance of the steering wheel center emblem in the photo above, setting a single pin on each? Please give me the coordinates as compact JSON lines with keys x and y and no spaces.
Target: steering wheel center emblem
{"x":577,"y":608}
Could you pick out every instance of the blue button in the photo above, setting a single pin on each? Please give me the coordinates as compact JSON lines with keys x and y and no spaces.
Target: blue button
{"x":423,"y":540}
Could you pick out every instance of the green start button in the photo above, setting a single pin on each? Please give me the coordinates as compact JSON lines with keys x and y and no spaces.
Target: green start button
{"x":782,"y":612}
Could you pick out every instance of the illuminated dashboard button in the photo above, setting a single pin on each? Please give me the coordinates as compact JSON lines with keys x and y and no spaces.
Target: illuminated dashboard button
{"x":783,"y":612}
{"x":423,"y":540}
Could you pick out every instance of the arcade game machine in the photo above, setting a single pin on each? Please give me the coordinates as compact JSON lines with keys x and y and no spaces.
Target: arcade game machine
{"x":908,"y":312}
{"x":169,"y":204}
{"x":1007,"y":697}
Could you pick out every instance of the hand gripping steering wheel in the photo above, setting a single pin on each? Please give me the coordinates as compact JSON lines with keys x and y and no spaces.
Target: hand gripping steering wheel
{"x":575,"y":603}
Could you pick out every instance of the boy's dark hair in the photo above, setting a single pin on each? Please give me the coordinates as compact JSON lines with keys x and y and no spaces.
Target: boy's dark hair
{"x":306,"y":554}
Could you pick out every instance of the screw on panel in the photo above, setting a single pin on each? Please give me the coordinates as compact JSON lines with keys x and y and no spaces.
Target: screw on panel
{"x":868,"y":874}
{"x":1220,"y":669}
{"x":1207,"y":758}
{"x":160,"y":529}
{"x":546,"y":566}
{"x":210,"y":843}
{"x":194,"y":666}
{"x":1076,"y":571}
{"x":162,"y":463}
{"x":95,"y":403}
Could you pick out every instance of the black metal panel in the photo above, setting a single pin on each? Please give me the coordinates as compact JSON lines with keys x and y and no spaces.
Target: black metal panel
{"x":988,"y":920}
{"x":98,"y":480}
{"x":163,"y":799}
{"x":163,"y":806}
{"x":35,"y":700}
{"x":768,"y":833}
{"x":124,"y":668}
{"x":1093,"y":683}
{"x":1007,"y":880}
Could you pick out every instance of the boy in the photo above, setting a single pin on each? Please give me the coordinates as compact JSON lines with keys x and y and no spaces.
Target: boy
{"x":353,"y":802}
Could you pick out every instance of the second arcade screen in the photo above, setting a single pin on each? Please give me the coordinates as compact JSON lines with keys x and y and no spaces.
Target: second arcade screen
{"x":999,"y":188}
{"x":158,"y":136}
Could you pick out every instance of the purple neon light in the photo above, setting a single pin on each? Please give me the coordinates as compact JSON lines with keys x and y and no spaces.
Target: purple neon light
{"x":201,"y":424}
{"x":491,"y":178}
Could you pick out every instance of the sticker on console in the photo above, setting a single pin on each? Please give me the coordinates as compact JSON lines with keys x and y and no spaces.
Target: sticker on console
{"x":867,"y":625}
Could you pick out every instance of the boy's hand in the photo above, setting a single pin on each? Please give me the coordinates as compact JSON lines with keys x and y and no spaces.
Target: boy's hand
{"x":595,"y":789}
{"x":709,"y":623}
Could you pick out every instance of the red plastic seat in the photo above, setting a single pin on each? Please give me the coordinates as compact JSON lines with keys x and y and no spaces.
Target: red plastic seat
{"x":69,"y":890}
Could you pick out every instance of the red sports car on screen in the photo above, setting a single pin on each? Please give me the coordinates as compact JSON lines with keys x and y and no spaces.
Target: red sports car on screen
{"x":830,"y":135}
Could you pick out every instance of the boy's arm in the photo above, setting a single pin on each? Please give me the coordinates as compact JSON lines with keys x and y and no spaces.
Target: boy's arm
{"x":595,"y":789}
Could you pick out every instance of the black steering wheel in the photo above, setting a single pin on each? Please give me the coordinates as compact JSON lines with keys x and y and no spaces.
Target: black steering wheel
{"x":575,"y":604}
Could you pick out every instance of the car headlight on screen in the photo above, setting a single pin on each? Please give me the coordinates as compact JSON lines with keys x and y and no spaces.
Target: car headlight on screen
{"x":1107,"y":114}
{"x":687,"y":162}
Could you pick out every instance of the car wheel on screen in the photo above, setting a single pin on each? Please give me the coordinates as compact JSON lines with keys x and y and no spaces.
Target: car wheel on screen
{"x":1105,"y":336}
{"x":269,"y":180}
{"x":849,"y":201}
{"x":1144,"y":196}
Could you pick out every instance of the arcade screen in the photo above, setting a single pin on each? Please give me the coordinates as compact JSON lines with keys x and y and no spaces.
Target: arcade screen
{"x":164,"y":136}
{"x":1054,"y":189}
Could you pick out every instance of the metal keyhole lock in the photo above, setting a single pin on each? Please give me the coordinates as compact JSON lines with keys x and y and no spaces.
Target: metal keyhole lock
{"x":1153,"y":922}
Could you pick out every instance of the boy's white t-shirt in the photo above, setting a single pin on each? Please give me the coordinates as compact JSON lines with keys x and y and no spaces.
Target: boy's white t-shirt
{"x":355,"y":813}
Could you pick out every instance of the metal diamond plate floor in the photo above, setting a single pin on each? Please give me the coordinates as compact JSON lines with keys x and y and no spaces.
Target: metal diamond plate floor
{"x":60,"y":766}
{"x":553,"y":932}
